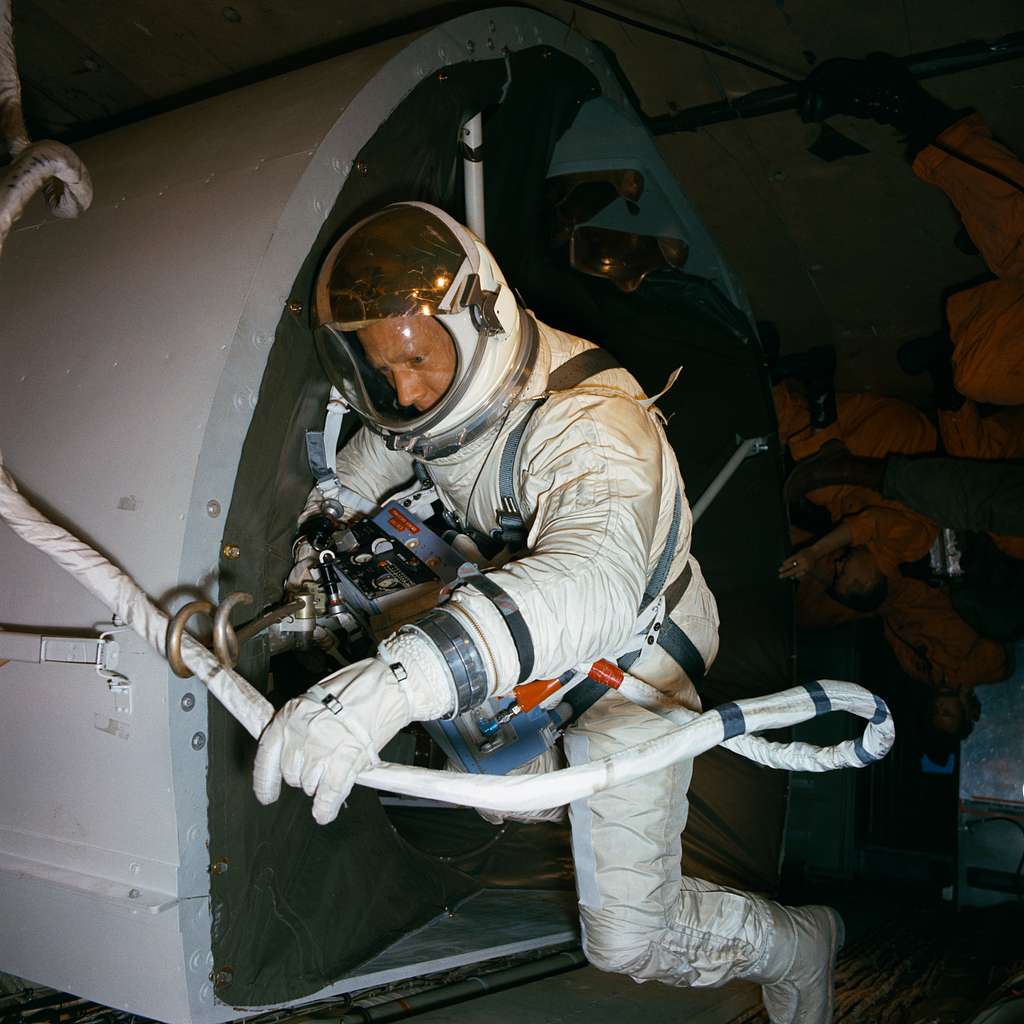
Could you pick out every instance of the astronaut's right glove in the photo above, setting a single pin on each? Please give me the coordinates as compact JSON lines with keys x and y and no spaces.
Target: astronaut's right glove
{"x":322,"y":740}
{"x":314,"y":534}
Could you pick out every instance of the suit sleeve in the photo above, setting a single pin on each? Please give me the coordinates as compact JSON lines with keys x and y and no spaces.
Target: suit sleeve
{"x":934,"y":644}
{"x":592,"y":473}
{"x":992,"y":209}
{"x":892,"y":535}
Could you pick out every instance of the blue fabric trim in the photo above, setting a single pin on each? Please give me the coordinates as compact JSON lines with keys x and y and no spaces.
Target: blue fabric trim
{"x":506,"y":467}
{"x":822,"y":704}
{"x":881,"y":711}
{"x":862,"y":754}
{"x":682,"y":650}
{"x":668,"y":554}
{"x":733,"y":722}
{"x":316,"y":456}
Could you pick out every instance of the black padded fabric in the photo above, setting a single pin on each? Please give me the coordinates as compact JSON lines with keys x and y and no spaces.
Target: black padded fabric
{"x":301,"y":905}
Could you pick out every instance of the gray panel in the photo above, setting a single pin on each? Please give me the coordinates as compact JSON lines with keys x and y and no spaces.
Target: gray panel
{"x":98,"y":800}
{"x":130,"y":958}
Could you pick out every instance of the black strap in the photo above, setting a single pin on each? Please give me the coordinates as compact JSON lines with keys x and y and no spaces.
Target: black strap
{"x":668,"y":554}
{"x":682,"y":649}
{"x":422,"y":473}
{"x":675,"y":590}
{"x":509,"y":610}
{"x":511,"y":523}
{"x":581,"y":367}
{"x":676,"y":643}
{"x":671,"y":638}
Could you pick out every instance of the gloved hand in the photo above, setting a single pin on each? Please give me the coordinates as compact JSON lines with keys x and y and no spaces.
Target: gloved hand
{"x":303,"y":558}
{"x":880,"y":88}
{"x":322,"y":740}
{"x":315,"y":530}
{"x":874,"y":88}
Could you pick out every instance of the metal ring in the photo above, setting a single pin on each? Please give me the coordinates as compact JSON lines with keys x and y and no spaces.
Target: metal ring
{"x":225,"y":641}
{"x":174,"y":633}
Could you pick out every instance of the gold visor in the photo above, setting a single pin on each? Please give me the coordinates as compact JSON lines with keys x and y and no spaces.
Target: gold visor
{"x":399,"y":263}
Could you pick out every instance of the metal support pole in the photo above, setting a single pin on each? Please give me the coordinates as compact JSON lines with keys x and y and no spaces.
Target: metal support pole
{"x":751,"y":446}
{"x":930,"y":64}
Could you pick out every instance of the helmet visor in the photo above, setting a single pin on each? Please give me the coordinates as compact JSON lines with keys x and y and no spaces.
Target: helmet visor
{"x":401,"y":262}
{"x":395,"y":374}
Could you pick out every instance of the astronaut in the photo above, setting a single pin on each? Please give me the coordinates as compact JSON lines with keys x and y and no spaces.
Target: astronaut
{"x":537,"y":436}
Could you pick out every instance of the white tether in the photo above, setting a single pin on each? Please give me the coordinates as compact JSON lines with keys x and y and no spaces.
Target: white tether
{"x":47,"y":164}
{"x":505,"y":793}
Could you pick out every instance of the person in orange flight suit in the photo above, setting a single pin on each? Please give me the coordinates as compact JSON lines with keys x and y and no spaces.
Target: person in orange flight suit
{"x":930,"y":640}
{"x":984,"y":352}
{"x":872,"y":426}
{"x":985,"y":348}
{"x":980,"y":357}
{"x":853,"y":571}
{"x":985,"y":182}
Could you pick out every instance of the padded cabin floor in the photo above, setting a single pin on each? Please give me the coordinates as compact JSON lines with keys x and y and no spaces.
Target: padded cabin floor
{"x":905,"y":962}
{"x":590,"y":996}
{"x":909,"y":959}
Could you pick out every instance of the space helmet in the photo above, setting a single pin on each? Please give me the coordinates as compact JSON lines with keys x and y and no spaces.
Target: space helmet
{"x":412,"y":260}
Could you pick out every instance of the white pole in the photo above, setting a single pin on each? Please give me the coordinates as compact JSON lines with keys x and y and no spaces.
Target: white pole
{"x":473,"y":174}
{"x":751,"y":446}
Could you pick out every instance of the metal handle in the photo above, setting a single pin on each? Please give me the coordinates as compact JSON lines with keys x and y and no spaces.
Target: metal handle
{"x":175,"y":630}
{"x":226,"y":639}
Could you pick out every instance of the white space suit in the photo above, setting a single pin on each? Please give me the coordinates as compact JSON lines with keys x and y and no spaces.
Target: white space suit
{"x":607,"y":529}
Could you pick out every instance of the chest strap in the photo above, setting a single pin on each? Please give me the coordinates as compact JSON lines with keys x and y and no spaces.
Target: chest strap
{"x":511,"y":524}
{"x":676,"y":644}
{"x":668,"y":553}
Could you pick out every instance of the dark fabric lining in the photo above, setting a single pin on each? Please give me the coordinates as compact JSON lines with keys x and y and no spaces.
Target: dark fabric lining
{"x":300,"y":904}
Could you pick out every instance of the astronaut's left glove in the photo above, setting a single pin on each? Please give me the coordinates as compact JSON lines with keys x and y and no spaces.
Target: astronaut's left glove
{"x":322,"y":740}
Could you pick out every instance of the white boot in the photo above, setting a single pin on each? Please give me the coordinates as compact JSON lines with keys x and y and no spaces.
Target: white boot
{"x":797,"y":978}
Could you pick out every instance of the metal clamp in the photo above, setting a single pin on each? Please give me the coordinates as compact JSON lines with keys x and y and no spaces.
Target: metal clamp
{"x":100,"y":652}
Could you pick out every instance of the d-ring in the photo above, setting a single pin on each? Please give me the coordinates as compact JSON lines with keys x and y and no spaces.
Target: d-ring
{"x":174,"y":633}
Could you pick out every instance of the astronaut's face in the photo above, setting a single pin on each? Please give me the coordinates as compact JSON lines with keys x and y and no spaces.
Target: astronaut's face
{"x":415,"y":355}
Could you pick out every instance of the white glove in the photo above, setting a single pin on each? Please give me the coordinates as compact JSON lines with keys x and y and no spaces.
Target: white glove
{"x":303,"y":557}
{"x":322,"y":740}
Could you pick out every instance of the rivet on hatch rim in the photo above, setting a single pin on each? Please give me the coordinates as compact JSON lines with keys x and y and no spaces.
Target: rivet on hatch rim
{"x":231,"y":551}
